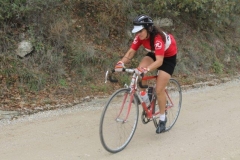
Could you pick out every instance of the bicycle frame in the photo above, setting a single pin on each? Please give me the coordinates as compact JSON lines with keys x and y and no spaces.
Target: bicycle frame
{"x":152,"y":106}
{"x":134,"y":91}
{"x":149,"y":111}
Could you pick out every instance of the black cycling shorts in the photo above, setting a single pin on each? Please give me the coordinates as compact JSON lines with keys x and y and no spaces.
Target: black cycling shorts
{"x":168,"y":65}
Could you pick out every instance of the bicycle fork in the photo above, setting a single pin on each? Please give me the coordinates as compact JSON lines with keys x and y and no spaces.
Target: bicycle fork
{"x":124,"y":120}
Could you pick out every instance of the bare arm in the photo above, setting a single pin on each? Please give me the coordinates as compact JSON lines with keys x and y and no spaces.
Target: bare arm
{"x":156,"y":64}
{"x":128,"y":56}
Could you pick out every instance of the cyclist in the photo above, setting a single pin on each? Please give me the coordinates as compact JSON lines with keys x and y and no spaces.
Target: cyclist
{"x":162,"y":51}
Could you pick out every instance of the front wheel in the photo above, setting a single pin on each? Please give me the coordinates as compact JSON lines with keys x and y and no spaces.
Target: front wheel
{"x":119,"y":120}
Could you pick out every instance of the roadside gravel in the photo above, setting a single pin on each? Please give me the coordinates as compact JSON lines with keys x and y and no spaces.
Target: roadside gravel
{"x":97,"y":103}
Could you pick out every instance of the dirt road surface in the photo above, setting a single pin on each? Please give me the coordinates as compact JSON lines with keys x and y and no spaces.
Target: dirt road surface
{"x":208,"y":128}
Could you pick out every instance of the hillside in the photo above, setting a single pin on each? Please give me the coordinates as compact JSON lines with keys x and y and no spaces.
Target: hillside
{"x":75,"y":42}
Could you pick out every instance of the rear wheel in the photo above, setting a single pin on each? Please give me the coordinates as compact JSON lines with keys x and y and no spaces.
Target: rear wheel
{"x":173,"y":105}
{"x":119,"y":120}
{"x":155,"y":111}
{"x":174,"y":102}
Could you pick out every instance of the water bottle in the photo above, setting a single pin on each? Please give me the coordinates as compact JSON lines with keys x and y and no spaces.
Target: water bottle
{"x":144,"y":97}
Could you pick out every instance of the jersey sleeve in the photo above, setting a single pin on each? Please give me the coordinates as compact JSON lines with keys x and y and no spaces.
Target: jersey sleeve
{"x":136,"y":43}
{"x":159,"y":46}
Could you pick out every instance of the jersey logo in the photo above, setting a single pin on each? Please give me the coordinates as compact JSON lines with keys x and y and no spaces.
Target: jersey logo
{"x":158,"y":45}
{"x":135,"y":40}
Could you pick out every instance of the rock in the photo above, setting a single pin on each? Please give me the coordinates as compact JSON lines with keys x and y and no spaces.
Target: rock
{"x":8,"y":114}
{"x":164,"y":22}
{"x":226,"y":79}
{"x":24,"y":48}
{"x":186,"y":87}
{"x":227,"y":58}
{"x":198,"y":85}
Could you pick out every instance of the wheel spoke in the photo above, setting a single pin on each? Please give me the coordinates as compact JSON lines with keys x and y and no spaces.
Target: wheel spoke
{"x":174,"y":100}
{"x":173,"y":105}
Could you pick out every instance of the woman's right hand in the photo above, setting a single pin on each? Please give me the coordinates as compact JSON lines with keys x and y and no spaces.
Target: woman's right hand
{"x":119,"y":66}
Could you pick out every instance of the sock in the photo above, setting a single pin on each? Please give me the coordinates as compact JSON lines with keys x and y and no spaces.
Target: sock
{"x":162,"y":117}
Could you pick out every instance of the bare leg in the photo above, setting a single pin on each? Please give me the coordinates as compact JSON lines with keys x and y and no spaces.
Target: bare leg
{"x":162,"y":81}
{"x":146,"y":61}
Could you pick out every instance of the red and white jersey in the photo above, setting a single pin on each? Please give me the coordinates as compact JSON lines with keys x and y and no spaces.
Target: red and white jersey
{"x":167,"y":50}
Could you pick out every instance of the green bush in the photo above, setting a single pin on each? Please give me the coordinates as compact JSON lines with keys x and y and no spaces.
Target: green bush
{"x":98,"y":37}
{"x":207,"y":13}
{"x":217,"y":67}
{"x":12,"y":10}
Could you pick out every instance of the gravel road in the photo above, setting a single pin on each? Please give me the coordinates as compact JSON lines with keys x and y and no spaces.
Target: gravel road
{"x":208,"y":128}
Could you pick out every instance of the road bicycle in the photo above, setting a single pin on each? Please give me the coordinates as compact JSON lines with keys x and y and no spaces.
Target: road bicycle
{"x":120,"y":115}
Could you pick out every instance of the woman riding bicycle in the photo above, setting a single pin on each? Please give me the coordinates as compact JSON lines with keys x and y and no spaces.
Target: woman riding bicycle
{"x":162,"y":51}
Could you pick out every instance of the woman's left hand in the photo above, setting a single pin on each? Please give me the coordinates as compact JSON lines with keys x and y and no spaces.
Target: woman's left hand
{"x":141,"y":70}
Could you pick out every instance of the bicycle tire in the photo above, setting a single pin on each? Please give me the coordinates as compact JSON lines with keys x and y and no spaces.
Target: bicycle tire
{"x":115,"y":130}
{"x":174,"y":102}
{"x":173,"y":106}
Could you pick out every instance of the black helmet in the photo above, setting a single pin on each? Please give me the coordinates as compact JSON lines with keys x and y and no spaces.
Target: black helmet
{"x":141,"y":22}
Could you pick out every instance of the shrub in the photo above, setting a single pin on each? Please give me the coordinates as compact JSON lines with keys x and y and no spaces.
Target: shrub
{"x":218,"y":67}
{"x":207,"y":13}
